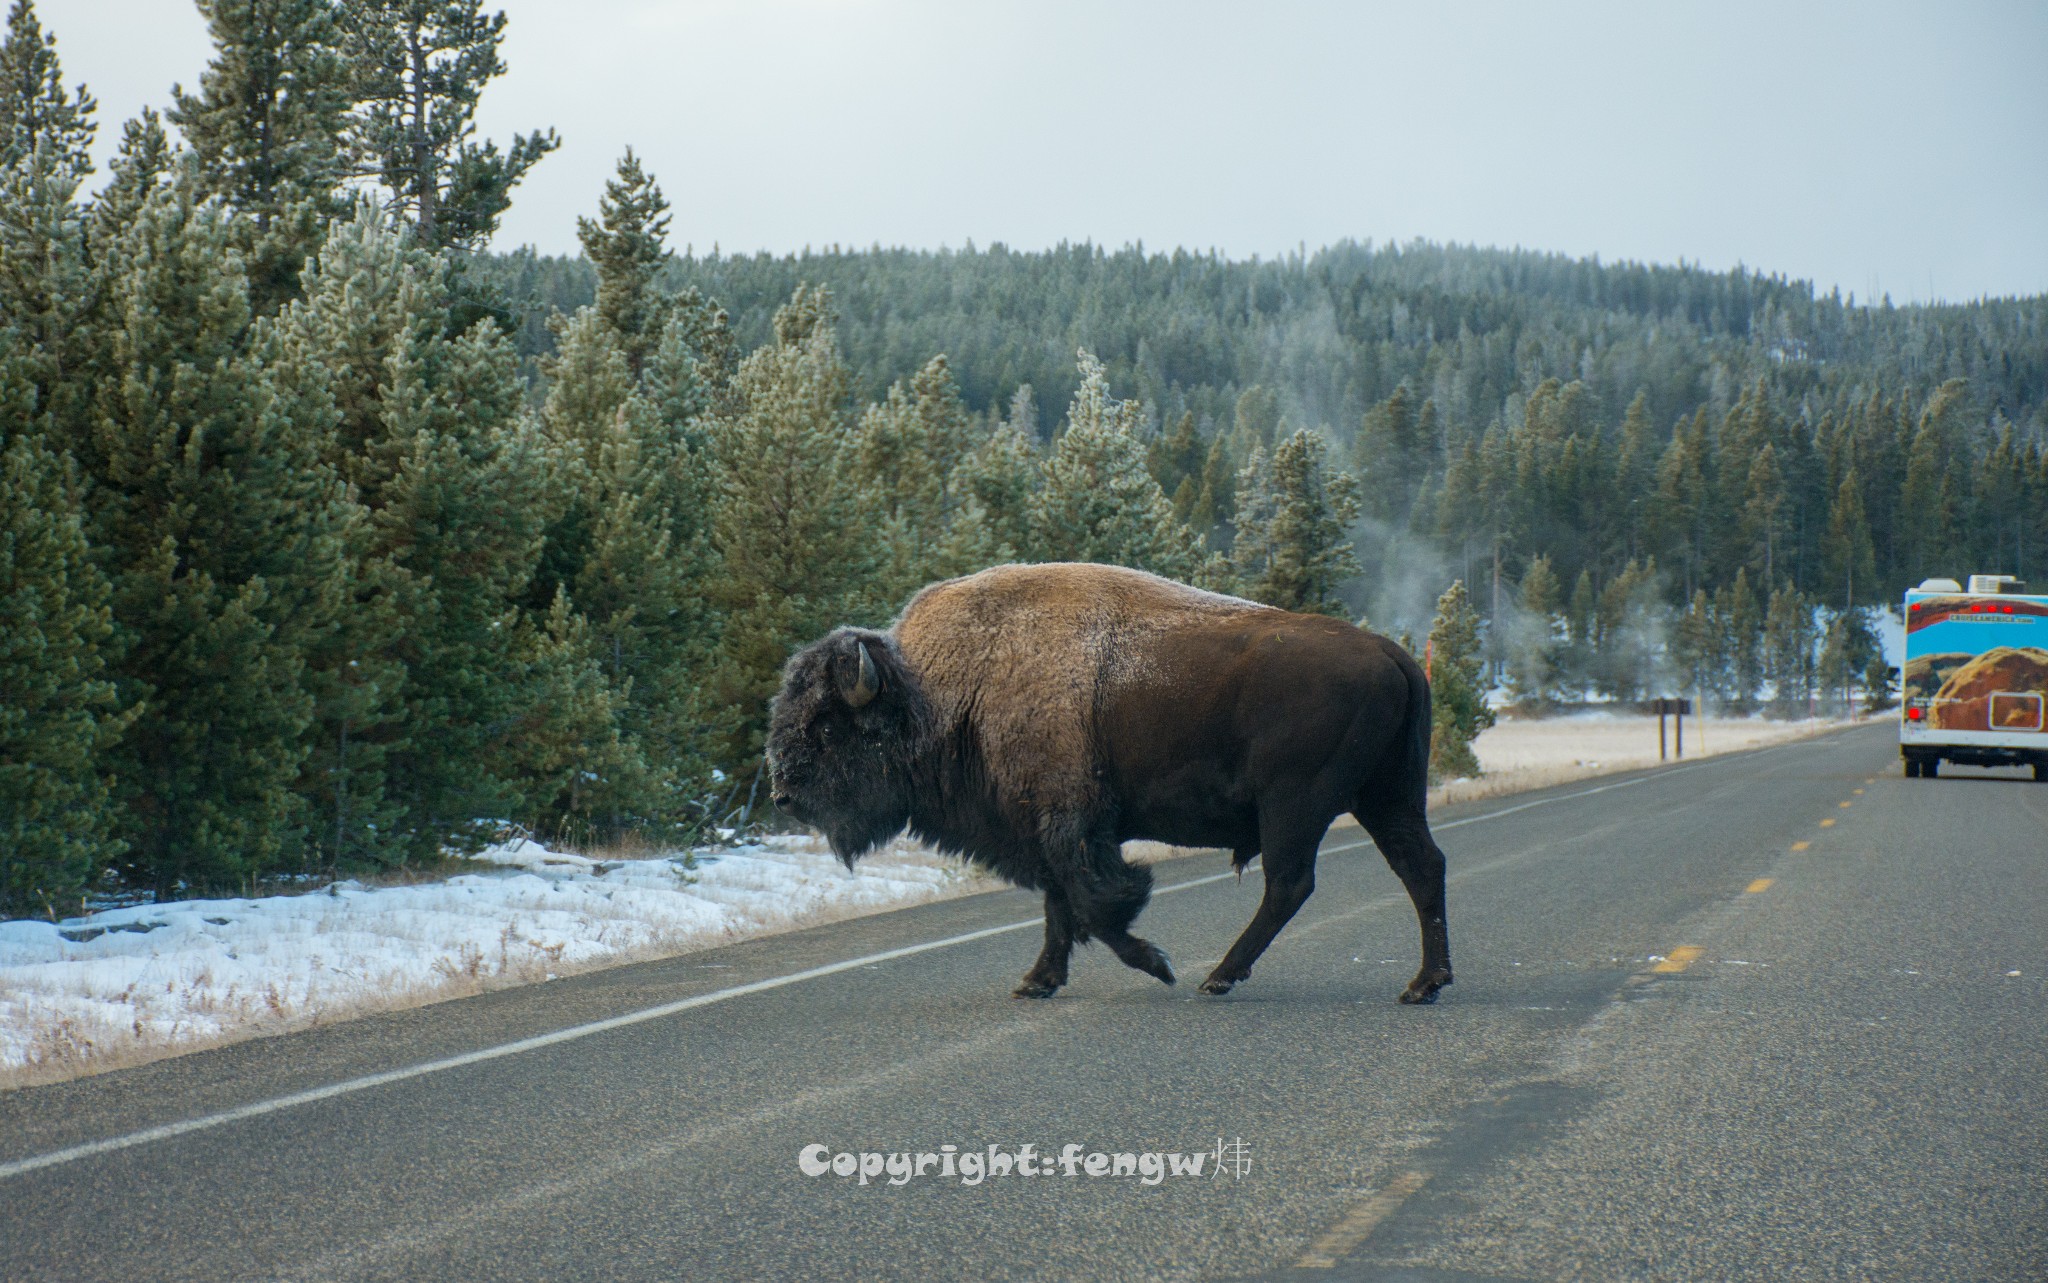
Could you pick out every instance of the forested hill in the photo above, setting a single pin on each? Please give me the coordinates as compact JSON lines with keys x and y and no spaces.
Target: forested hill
{"x":1335,"y":332}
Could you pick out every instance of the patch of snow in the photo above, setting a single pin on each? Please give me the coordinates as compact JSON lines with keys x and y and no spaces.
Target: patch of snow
{"x":133,"y":983}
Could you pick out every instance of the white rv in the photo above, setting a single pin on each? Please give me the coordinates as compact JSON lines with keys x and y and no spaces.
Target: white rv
{"x":1975,"y":685}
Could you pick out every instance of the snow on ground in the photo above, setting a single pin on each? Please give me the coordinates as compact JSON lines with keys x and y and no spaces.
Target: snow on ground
{"x":1517,"y":754}
{"x":129,"y":985}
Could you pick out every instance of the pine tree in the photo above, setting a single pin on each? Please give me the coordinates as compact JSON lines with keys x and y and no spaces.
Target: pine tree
{"x":47,"y":289}
{"x":910,"y":444}
{"x":1847,"y":557}
{"x":1023,"y":416}
{"x":1847,"y":649}
{"x":1762,"y":514}
{"x":1256,"y":421}
{"x":579,"y":777}
{"x":1582,"y":621}
{"x":451,"y":730}
{"x":625,"y":244}
{"x":1536,"y":650}
{"x":2002,"y":512}
{"x":1392,"y":458}
{"x":141,"y":166}
{"x":1788,"y":650}
{"x":224,"y":535}
{"x":1215,"y":503}
{"x":35,"y":110}
{"x":796,"y":558}
{"x":266,"y":124}
{"x":690,"y":375}
{"x":1458,"y":710}
{"x":266,"y":128}
{"x":1927,"y":516}
{"x":1175,"y":459}
{"x":625,"y":543}
{"x":642,"y":587}
{"x":588,"y":388}
{"x":905,"y":454}
{"x":420,"y":67}
{"x":1294,"y":540}
{"x":57,"y":825}
{"x":1683,"y":507}
{"x":1698,"y":650}
{"x":1743,"y":623}
{"x":1635,"y":477}
{"x":995,"y":482}
{"x":1631,"y":623}
{"x":1099,"y":503}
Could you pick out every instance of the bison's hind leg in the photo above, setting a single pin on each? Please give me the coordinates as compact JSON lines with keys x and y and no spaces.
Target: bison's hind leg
{"x":1401,"y":831}
{"x":1289,"y":853}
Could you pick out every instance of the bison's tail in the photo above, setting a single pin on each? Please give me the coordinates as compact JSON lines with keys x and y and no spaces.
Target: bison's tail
{"x":1420,"y":728}
{"x":1407,"y":770}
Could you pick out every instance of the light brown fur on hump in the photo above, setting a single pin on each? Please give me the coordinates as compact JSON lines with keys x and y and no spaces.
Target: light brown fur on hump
{"x":1028,"y":650}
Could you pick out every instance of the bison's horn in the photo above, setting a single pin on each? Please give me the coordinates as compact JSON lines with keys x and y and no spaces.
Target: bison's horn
{"x":867,"y":685}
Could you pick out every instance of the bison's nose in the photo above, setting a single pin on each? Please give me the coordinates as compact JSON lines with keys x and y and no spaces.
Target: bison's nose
{"x":783,"y":801}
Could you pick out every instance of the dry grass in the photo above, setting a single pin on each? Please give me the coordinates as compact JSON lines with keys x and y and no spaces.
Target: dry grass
{"x":1517,"y":756}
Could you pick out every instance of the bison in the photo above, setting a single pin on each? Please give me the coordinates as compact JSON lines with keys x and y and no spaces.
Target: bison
{"x":1033,"y":718}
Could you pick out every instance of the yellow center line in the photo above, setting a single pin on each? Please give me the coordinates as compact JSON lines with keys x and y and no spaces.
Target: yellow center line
{"x":1843,"y":805}
{"x":1801,"y":846}
{"x":1857,"y":792}
{"x":1761,"y":884}
{"x":1680,"y":958}
{"x":1359,"y":1223}
{"x":1828,"y":823}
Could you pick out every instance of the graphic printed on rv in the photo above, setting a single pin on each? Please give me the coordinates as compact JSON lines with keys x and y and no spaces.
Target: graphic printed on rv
{"x":1976,"y":676}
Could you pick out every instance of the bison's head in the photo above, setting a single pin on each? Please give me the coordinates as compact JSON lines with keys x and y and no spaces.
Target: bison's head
{"x":842,"y":736}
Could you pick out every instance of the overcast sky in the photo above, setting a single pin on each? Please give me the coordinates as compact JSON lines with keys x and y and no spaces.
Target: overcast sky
{"x":1877,"y":146}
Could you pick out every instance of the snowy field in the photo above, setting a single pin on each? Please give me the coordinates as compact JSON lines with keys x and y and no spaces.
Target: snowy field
{"x":1516,"y":755}
{"x":131,"y":985}
{"x":136,"y":984}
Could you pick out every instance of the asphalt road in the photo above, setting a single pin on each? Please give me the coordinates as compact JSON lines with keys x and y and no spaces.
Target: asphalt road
{"x":1779,"y":1015}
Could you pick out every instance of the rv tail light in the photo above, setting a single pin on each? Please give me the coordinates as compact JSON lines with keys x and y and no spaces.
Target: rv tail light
{"x":1914,"y":714}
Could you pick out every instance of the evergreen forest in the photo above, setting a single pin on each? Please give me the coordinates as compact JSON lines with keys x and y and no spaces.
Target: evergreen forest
{"x":333,"y":540}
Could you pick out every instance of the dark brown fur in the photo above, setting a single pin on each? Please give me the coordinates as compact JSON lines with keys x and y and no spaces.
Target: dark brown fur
{"x":1034,"y":718}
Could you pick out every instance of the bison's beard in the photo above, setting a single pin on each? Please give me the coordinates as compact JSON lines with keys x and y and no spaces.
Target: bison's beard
{"x":854,"y":836}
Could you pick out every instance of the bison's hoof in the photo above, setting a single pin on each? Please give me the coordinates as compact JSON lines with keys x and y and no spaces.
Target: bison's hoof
{"x":1035,"y":989}
{"x":1152,"y":961}
{"x":1422,"y":991}
{"x":1217,"y":986}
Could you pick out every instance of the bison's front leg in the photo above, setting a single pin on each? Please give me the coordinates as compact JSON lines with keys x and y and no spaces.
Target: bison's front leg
{"x":1050,"y":971}
{"x":1113,"y":894}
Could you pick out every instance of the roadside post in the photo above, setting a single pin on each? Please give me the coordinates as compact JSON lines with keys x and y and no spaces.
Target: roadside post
{"x":1676,"y":709}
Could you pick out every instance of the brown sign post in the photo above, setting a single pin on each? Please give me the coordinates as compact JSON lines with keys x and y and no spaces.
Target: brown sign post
{"x":1677,"y":709}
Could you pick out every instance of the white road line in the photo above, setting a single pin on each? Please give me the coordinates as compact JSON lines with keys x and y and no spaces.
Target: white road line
{"x":206,"y":1122}
{"x":22,"y":1166}
{"x":1566,"y":797}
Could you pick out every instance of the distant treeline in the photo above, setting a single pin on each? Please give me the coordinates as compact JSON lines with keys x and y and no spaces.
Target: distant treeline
{"x":330,"y":542}
{"x":1493,"y":401}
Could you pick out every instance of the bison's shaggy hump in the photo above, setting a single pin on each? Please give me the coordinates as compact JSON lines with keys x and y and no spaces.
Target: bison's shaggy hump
{"x":1060,"y":642}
